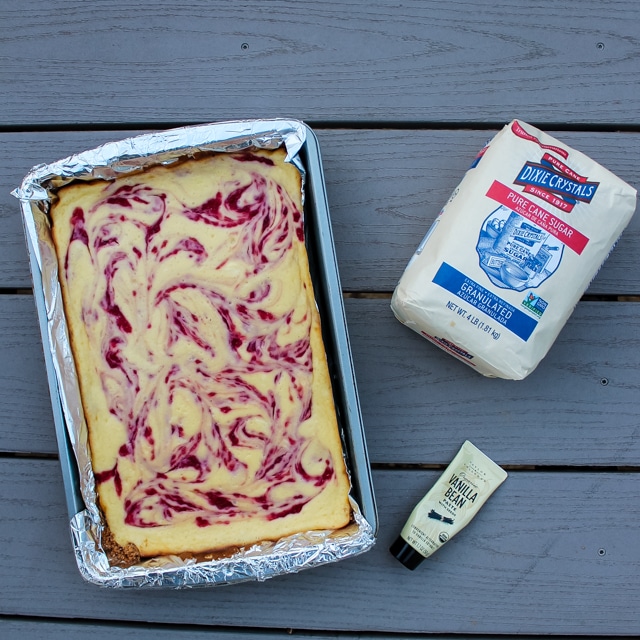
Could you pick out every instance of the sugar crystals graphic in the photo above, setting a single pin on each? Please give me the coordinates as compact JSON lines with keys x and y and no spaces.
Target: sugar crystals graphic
{"x":514,"y":253}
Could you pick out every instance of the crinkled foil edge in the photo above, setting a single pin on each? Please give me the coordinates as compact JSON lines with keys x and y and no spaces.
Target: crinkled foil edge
{"x":259,"y":562}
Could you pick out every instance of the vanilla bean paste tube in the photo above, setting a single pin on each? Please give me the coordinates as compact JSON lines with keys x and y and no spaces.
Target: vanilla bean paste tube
{"x":449,"y":506}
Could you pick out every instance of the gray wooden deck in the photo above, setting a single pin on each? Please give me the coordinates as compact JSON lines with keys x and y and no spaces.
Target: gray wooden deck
{"x":402,"y":96}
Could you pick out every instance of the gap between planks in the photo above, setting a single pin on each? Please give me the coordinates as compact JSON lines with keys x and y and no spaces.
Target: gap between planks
{"x":401,"y":466}
{"x":399,"y":125}
{"x":383,"y":295}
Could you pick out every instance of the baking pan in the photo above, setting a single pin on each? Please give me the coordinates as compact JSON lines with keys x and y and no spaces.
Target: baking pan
{"x":290,"y":555}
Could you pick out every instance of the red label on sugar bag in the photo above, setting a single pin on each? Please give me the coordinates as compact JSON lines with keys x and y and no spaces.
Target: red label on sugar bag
{"x":558,"y":228}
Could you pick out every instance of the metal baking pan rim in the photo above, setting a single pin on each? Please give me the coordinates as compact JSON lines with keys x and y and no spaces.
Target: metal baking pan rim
{"x":329,"y":288}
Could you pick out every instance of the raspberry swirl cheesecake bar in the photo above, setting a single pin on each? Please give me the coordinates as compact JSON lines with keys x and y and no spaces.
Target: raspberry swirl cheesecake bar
{"x":200,"y":359}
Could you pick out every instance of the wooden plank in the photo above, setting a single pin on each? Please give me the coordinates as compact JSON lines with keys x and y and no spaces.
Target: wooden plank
{"x":550,"y":553}
{"x":155,"y":61}
{"x":580,"y":407}
{"x":65,"y":630}
{"x":75,"y":630}
{"x":384,"y":187}
{"x":26,"y":420}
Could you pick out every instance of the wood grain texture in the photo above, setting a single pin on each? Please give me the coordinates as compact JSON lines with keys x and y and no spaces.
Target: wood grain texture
{"x":26,"y":420}
{"x":65,"y":630}
{"x":496,"y":576}
{"x":158,"y":61}
{"x":402,"y":96}
{"x":415,"y":399}
{"x":579,"y":407}
{"x":76,"y":630}
{"x":384,"y":189}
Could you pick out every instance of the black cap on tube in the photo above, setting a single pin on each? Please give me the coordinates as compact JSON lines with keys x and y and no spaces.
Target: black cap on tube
{"x":405,"y":553}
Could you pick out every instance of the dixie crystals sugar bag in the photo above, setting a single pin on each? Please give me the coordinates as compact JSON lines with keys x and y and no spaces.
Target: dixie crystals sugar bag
{"x":503,"y":266}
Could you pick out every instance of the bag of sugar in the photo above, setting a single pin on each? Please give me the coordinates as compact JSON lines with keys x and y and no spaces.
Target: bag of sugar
{"x":503,"y":266}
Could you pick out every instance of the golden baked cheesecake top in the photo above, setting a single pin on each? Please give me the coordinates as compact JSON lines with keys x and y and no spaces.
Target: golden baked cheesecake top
{"x":201,"y":365}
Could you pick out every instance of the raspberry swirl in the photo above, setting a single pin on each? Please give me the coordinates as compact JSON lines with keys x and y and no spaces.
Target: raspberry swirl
{"x":206,"y":349}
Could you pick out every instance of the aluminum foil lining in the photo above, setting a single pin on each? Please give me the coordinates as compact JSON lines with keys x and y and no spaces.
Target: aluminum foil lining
{"x":259,"y":562}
